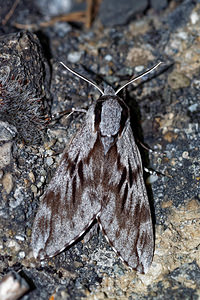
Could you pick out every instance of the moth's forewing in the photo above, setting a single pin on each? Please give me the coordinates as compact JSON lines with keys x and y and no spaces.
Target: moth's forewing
{"x":72,"y":199}
{"x":125,"y":218}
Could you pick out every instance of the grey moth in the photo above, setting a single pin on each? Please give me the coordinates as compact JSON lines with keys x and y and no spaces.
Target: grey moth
{"x":100,"y":177}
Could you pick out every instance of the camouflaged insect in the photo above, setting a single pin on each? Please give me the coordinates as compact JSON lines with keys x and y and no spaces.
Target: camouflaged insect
{"x":100,"y":177}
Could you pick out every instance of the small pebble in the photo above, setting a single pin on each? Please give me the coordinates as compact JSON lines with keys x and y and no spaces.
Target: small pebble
{"x":34,"y":189}
{"x":43,"y":172}
{"x":7,"y":183}
{"x":7,"y":131}
{"x":49,"y":161}
{"x":49,"y":152}
{"x":22,"y":254}
{"x":194,"y":17}
{"x":74,"y":57}
{"x":139,"y":69}
{"x":193,"y":107}
{"x":39,"y":184}
{"x":18,"y":198}
{"x":32,"y":177}
{"x":5,"y":154}
{"x":53,"y":8}
{"x":185,"y":154}
{"x":183,"y":35}
{"x":108,"y":57}
{"x":20,"y":237}
{"x":18,"y":194}
{"x":13,"y":244}
{"x":42,"y":179}
{"x":152,"y":178}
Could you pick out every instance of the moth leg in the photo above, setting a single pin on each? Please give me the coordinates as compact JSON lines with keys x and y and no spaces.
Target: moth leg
{"x":151,"y":150}
{"x":154,"y":175}
{"x":60,"y":114}
{"x":83,"y":110}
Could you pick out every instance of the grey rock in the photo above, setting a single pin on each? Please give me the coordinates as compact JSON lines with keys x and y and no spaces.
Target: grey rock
{"x":7,"y":131}
{"x":23,"y":84}
{"x":7,"y":182}
{"x":120,"y":12}
{"x":13,"y":286}
{"x":158,"y":5}
{"x":54,"y":7}
{"x":5,"y":154}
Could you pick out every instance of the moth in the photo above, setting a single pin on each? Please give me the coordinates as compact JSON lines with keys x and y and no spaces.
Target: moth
{"x":100,"y":177}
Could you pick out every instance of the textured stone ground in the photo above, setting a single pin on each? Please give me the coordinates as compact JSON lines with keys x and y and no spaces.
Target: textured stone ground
{"x":165,"y":111}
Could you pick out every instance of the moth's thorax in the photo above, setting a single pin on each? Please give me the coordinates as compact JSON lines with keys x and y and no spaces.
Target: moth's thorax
{"x":111,"y":115}
{"x":110,"y":118}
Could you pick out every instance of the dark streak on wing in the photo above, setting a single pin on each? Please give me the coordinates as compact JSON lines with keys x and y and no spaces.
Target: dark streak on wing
{"x":80,"y":172}
{"x":136,"y":172}
{"x":122,"y":179}
{"x":97,"y":114}
{"x":130,"y":172}
{"x":124,"y":198}
{"x":93,"y":151}
{"x":144,"y":214}
{"x":72,"y":165}
{"x":74,"y":190}
{"x":72,"y":169}
{"x":136,"y":213}
{"x":96,"y":154}
{"x":111,"y":156}
{"x":119,"y":161}
{"x":117,"y":234}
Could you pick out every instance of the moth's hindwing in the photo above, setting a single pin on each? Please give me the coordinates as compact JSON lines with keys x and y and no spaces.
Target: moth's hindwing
{"x":72,"y":199}
{"x":125,"y":218}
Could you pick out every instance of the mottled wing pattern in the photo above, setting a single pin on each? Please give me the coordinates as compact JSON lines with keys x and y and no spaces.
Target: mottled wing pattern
{"x":125,"y":218}
{"x":72,"y":199}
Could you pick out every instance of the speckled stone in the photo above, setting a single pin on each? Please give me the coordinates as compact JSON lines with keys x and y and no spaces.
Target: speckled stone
{"x":5,"y":154}
{"x":23,"y":76}
{"x":7,"y":182}
{"x":119,"y":12}
{"x":7,"y":131}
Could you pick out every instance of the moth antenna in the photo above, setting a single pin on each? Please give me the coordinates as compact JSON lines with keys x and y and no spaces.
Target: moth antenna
{"x":82,"y":77}
{"x":138,"y":77}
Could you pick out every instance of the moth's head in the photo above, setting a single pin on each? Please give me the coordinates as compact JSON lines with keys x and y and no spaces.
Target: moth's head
{"x":109,"y":91}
